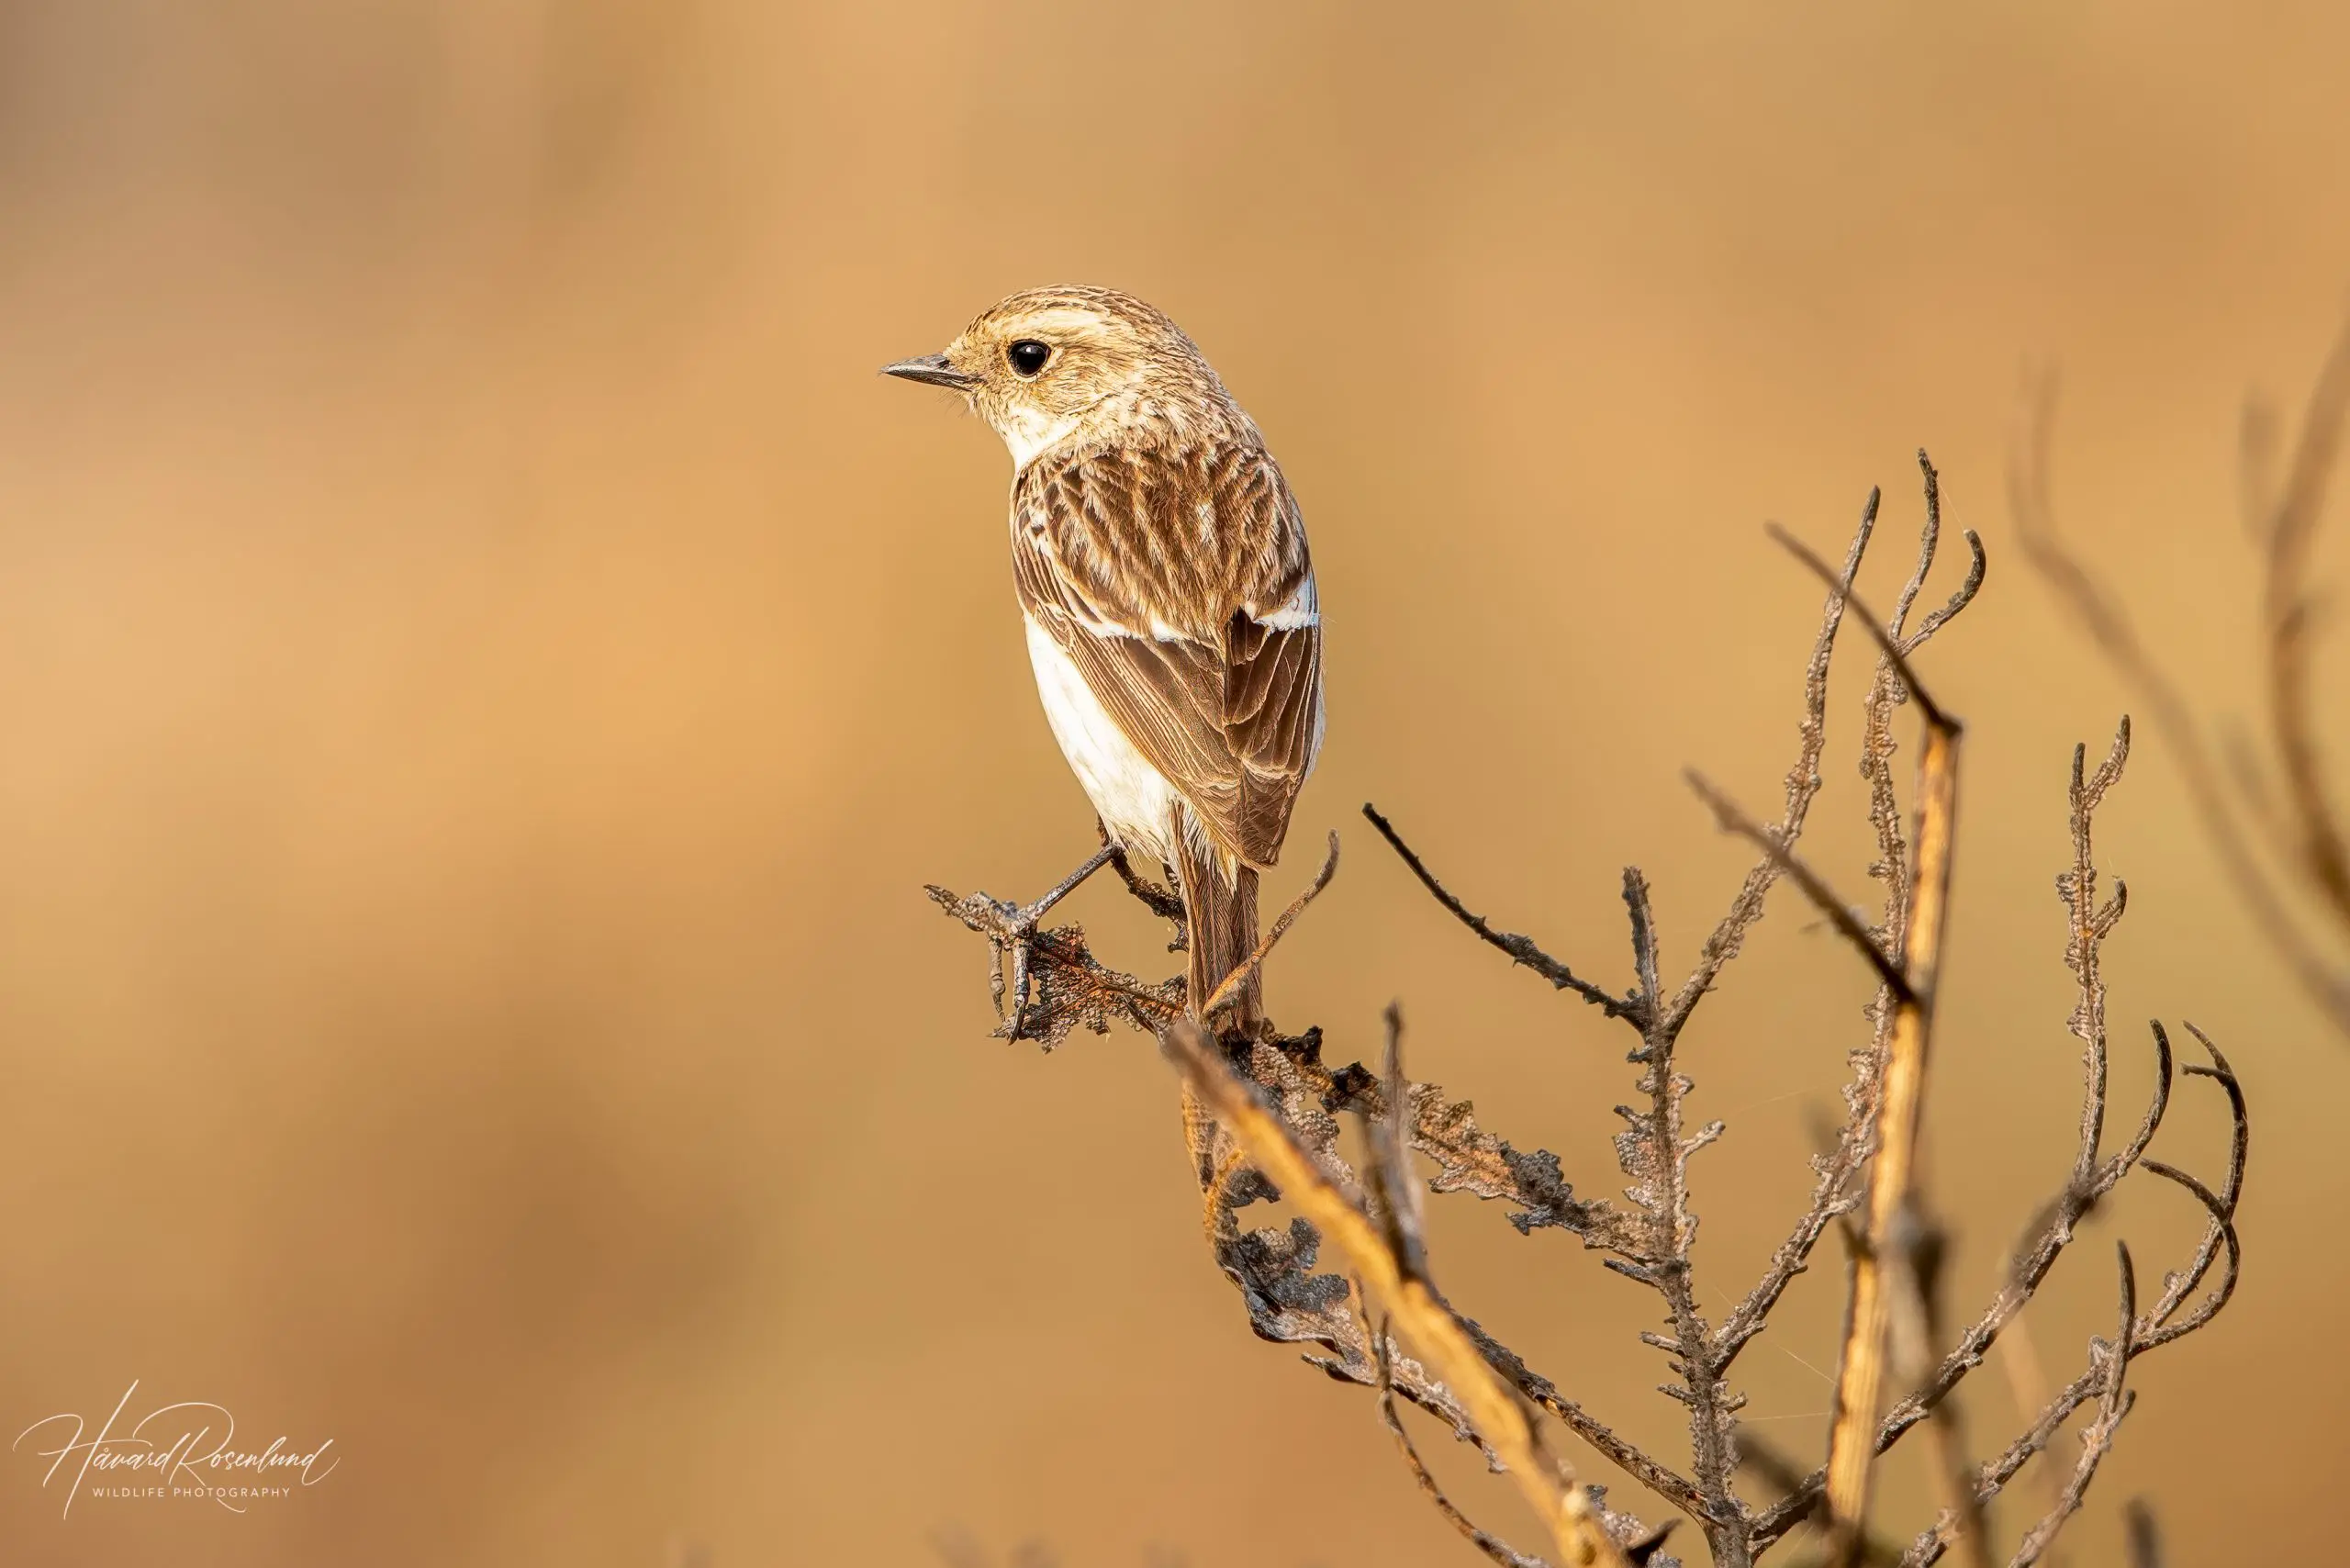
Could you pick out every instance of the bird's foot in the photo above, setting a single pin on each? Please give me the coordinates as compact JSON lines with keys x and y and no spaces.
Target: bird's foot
{"x":1011,"y":930}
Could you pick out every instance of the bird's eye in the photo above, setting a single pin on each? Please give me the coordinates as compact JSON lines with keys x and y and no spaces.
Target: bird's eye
{"x":1027,"y":357}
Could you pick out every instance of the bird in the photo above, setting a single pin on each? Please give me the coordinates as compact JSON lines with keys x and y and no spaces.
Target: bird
{"x":1167,"y":595}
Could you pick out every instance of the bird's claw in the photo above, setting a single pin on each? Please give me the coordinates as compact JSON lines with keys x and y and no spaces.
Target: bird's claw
{"x":1010,"y":928}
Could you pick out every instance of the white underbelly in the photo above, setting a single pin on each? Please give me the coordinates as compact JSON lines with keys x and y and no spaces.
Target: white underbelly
{"x":1133,"y":799}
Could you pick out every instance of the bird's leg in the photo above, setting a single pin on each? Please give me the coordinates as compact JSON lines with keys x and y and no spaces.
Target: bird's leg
{"x":1162,"y":902}
{"x":1070,"y":883}
{"x":1013,"y":929}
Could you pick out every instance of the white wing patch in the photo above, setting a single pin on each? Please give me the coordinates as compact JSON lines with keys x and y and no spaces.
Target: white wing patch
{"x":1303,"y":609}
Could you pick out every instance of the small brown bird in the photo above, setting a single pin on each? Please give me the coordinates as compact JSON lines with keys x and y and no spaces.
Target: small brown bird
{"x":1162,"y":569}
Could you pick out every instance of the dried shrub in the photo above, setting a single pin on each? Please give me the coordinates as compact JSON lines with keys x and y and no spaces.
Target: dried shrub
{"x":1265,"y":1112}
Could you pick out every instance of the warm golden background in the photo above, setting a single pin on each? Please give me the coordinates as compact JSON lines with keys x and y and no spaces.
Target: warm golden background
{"x":486,"y":667}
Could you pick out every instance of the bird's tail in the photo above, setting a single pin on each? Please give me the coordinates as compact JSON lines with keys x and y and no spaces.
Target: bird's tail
{"x":1220,"y":908}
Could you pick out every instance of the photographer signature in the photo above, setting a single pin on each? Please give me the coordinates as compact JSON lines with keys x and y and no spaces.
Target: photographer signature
{"x":181,"y":1450}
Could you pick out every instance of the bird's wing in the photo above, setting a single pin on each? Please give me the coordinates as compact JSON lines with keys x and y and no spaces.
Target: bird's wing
{"x":1179,"y":585}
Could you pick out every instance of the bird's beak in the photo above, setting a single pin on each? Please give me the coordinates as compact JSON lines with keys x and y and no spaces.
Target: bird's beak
{"x":932,"y":370}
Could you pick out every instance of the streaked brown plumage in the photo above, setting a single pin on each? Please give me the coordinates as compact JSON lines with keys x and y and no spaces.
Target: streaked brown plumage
{"x":1162,"y":567}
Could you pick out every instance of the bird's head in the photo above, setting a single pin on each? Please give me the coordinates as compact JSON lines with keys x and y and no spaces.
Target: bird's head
{"x":1053,"y":365}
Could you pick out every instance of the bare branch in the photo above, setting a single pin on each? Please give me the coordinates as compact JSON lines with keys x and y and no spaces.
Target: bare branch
{"x":2165,"y":1322}
{"x":1249,"y":965}
{"x":2113,"y":1403}
{"x":1833,"y":1194}
{"x":2289,"y":530}
{"x":1493,"y":1546}
{"x":1914,"y":1262}
{"x":1886,"y":642}
{"x":1798,"y":1489}
{"x":1654,"y":1152}
{"x":1930,"y":539}
{"x":1471,"y":1160}
{"x":1961,"y":596}
{"x":2145,"y":1540}
{"x":2159,"y":1324}
{"x":2109,"y":626}
{"x":1728,"y":935}
{"x":1521,"y":950}
{"x":1900,"y":1107}
{"x":1730,"y":819}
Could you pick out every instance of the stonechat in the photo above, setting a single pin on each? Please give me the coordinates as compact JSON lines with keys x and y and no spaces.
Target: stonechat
{"x":1162,"y":570}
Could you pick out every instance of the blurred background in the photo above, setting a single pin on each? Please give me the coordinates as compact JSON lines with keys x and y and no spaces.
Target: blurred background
{"x":486,"y":667}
